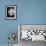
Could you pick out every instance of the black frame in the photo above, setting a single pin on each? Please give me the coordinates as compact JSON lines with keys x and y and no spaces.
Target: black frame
{"x":10,"y":18}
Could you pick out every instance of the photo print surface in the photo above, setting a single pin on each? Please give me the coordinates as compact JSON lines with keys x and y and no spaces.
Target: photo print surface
{"x":33,"y":32}
{"x":10,"y":11}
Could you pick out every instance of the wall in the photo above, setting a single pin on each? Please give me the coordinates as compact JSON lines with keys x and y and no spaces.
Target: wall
{"x":28,"y":12}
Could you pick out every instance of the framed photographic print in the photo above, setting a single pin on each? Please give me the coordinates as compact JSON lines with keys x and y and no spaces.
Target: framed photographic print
{"x":33,"y":32}
{"x":10,"y":12}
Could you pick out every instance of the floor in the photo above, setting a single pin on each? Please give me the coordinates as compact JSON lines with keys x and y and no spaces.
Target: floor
{"x":30,"y":43}
{"x":7,"y":45}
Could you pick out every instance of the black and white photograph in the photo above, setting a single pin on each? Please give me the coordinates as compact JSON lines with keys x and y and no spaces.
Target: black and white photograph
{"x":10,"y":12}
